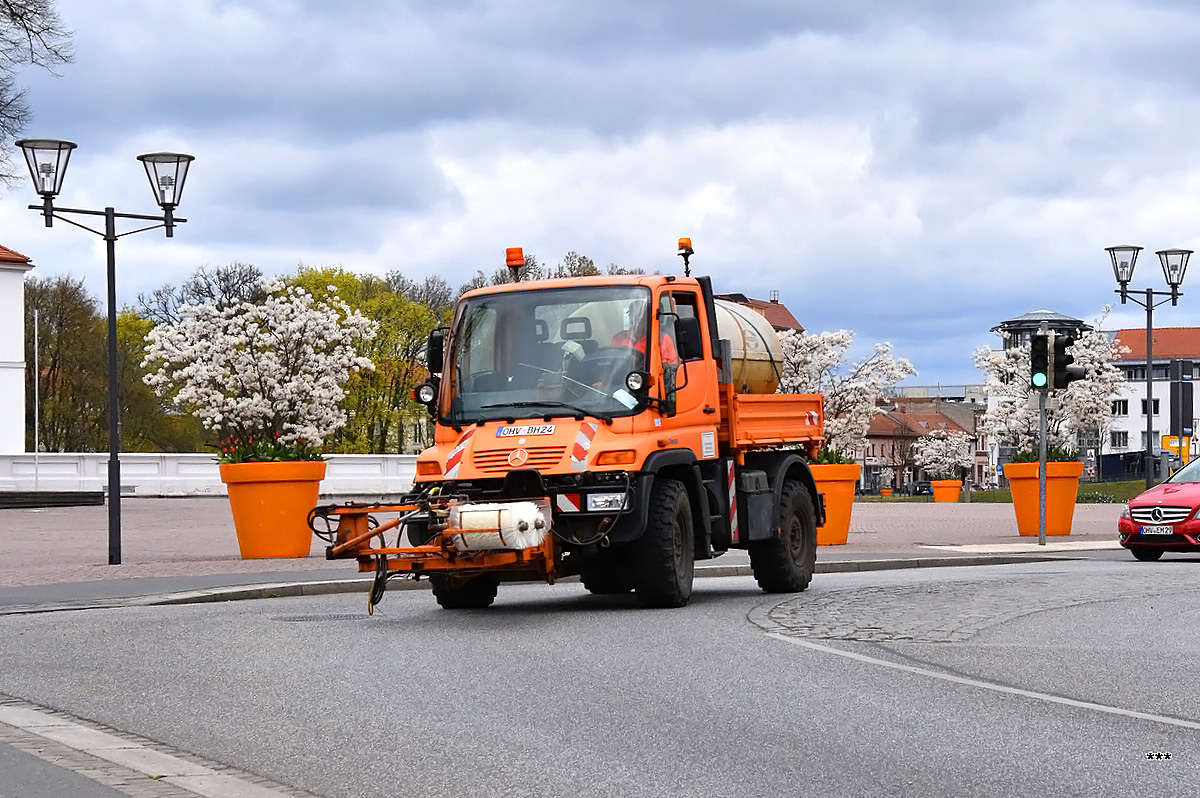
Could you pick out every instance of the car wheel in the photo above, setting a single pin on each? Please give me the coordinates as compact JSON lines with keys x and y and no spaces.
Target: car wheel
{"x":1146,"y":555}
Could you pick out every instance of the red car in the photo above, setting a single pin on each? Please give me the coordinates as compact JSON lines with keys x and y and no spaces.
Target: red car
{"x":1164,"y":518}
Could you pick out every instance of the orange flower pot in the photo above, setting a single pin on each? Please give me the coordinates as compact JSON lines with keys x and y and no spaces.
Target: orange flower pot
{"x":1062,"y":486}
{"x":837,"y":483}
{"x":270,"y":503}
{"x":885,"y":492}
{"x":946,"y":490}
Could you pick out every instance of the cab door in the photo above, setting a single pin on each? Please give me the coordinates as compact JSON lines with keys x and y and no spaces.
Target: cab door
{"x":685,"y":353}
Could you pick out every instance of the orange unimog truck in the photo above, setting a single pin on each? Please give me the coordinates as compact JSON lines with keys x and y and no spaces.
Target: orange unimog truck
{"x":616,"y":428}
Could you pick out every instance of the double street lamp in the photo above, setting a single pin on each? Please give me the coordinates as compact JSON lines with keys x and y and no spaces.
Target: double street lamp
{"x":47,"y":160}
{"x":1174,"y":265}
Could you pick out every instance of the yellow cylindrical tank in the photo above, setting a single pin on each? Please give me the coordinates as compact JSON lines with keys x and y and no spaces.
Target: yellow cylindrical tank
{"x":756,"y":352}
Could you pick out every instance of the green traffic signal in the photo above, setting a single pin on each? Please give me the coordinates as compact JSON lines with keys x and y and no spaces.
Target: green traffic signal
{"x":1039,"y":361}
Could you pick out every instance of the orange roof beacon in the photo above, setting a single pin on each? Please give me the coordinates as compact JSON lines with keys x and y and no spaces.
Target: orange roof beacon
{"x":558,"y":452}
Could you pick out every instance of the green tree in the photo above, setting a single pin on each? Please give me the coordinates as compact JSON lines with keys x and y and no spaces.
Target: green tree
{"x":146,"y":424}
{"x":575,"y":265}
{"x":433,"y":292}
{"x":69,"y":366}
{"x":614,"y":268}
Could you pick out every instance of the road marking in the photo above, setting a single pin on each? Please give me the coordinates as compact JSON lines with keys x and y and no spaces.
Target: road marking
{"x":160,"y":768}
{"x":998,"y":688}
{"x":1012,"y":548}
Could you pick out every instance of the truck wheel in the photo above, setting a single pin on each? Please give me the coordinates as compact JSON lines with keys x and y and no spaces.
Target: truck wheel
{"x":665,"y":552}
{"x":785,"y":564}
{"x":456,"y":593}
{"x":606,"y":574}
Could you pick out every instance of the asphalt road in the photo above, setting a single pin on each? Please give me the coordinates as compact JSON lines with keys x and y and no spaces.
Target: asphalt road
{"x":1051,"y":679}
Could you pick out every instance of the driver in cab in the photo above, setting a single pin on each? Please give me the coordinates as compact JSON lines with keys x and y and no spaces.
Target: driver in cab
{"x":635,"y":336}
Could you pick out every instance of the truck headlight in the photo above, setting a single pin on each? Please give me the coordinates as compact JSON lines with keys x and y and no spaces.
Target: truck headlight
{"x":602,"y":502}
{"x":426,"y":393}
{"x":635,"y":381}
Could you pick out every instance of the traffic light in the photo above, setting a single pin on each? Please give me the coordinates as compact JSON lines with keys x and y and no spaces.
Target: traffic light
{"x":1063,"y":372}
{"x":1039,"y":361}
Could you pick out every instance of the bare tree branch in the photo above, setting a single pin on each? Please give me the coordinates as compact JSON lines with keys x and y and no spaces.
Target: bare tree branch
{"x":32,"y":34}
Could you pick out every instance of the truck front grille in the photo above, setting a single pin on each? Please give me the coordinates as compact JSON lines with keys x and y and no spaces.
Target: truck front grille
{"x":540,"y":457}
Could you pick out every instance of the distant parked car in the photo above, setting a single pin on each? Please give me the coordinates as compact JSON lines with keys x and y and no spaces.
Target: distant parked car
{"x":923,"y":489}
{"x":1164,"y":518}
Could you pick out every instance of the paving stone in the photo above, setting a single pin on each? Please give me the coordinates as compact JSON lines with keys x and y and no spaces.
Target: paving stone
{"x":935,"y":613}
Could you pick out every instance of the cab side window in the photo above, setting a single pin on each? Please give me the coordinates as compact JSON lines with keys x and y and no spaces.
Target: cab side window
{"x":666,"y":323}
{"x":687,"y":328}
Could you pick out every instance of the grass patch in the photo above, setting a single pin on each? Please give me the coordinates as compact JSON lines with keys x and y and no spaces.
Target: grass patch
{"x":1089,"y":493}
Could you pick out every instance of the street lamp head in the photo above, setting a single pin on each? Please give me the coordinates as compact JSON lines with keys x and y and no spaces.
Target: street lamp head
{"x":1124,"y":260}
{"x":47,"y":161}
{"x":167,"y":172}
{"x":1174,"y":265}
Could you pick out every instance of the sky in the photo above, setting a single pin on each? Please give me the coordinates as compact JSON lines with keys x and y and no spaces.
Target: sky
{"x":916,"y":171}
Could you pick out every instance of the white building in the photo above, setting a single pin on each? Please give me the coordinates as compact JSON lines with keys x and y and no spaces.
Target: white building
{"x":1127,"y":435}
{"x":13,"y":266}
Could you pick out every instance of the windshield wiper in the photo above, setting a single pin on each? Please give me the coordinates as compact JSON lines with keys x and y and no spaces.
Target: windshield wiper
{"x":577,"y":412}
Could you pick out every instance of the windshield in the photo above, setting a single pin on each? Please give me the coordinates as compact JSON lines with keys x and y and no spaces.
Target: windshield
{"x":556,"y":352}
{"x":1189,"y":473}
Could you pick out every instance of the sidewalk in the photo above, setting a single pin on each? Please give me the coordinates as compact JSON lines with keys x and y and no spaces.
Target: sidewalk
{"x":185,"y":544}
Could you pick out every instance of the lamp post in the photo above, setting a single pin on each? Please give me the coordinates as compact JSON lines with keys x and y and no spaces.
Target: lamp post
{"x":47,"y":160}
{"x":1174,"y":265}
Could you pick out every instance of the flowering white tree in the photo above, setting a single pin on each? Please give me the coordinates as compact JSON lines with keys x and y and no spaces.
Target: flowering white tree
{"x":944,"y":453}
{"x":1084,"y":404}
{"x":272,"y":370}
{"x":887,"y":475}
{"x":819,"y":364}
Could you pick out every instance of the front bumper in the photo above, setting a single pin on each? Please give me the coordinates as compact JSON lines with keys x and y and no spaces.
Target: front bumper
{"x":1186,"y":536}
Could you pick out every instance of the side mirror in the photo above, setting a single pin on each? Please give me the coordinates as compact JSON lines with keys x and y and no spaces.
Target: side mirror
{"x":435,"y":350}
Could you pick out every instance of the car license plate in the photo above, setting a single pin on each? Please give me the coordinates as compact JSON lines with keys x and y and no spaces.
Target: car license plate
{"x":1158,"y":530}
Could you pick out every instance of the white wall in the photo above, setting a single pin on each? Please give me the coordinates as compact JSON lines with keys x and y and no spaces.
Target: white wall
{"x":193,"y":474}
{"x":12,"y":357}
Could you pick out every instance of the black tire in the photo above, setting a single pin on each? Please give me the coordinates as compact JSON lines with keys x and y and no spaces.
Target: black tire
{"x":785,"y":564}
{"x":665,"y":553}
{"x":607,"y":574}
{"x":457,"y":593}
{"x":1146,"y":555}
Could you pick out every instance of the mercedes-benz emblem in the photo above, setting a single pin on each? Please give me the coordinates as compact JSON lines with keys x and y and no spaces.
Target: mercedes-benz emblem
{"x":1155,"y":514}
{"x":517,"y":457}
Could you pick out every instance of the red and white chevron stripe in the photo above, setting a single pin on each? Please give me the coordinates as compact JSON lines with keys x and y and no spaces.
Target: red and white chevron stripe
{"x":733,"y":515}
{"x":583,"y":444}
{"x":457,"y":453}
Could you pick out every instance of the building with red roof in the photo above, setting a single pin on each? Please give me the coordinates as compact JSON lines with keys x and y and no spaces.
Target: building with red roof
{"x":893,"y":434}
{"x":774,"y":311}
